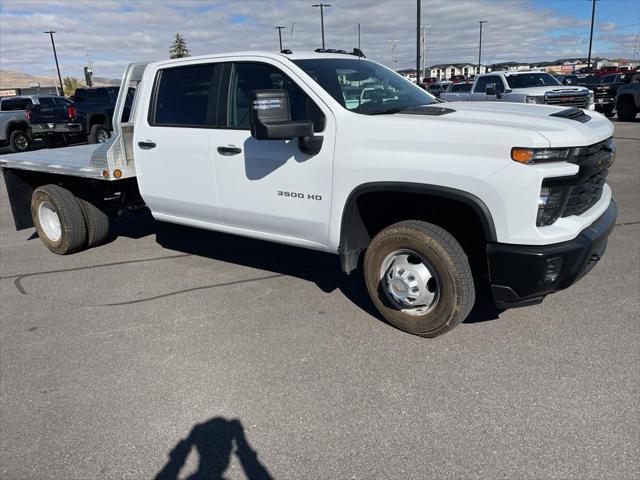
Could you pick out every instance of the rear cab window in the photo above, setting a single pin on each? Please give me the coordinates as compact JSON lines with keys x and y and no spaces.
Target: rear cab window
{"x":15,"y":104}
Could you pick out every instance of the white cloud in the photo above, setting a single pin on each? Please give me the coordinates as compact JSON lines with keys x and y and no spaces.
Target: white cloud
{"x":607,"y":26}
{"x":114,"y":33}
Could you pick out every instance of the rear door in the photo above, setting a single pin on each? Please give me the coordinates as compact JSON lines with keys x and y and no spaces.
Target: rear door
{"x":173,"y":144}
{"x":270,"y":186}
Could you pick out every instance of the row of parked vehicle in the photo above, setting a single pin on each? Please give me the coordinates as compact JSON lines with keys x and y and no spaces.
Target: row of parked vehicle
{"x":56,"y":120}
{"x":596,"y":92}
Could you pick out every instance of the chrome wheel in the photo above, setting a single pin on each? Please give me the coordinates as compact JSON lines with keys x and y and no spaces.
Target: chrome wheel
{"x":102,"y":135}
{"x":409,"y":282}
{"x":49,"y":221}
{"x":21,"y":142}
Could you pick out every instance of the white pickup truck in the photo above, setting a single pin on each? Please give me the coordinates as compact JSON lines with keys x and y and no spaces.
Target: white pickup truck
{"x":524,"y":87}
{"x":424,"y":195}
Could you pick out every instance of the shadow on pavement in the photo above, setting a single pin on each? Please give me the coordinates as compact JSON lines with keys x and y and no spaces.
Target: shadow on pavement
{"x":215,"y":441}
{"x":323,"y":269}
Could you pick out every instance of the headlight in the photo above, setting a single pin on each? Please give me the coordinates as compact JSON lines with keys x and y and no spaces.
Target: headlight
{"x":540,"y":155}
{"x":592,"y":97}
{"x":534,"y":99}
{"x":550,"y":204}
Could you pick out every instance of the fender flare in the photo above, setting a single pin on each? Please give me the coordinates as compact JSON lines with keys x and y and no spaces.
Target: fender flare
{"x":15,"y":123}
{"x":354,"y":237}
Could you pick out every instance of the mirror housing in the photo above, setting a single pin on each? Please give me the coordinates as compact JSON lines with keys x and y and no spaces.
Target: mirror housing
{"x":270,"y":116}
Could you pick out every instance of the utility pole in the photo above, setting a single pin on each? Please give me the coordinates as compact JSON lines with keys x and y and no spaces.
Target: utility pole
{"x":55,"y":55}
{"x":593,"y":14}
{"x":359,"y":38}
{"x":480,"y":46}
{"x":418,"y":22}
{"x":279,"y":35}
{"x":322,"y":7}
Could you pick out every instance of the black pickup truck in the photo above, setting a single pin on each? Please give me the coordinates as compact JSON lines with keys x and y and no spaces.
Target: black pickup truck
{"x":54,"y":121}
{"x":604,"y":89}
{"x":88,"y":116}
{"x":94,"y":110}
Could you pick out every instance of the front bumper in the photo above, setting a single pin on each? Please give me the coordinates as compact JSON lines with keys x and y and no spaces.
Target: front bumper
{"x":517,"y":271}
{"x":44,"y":128}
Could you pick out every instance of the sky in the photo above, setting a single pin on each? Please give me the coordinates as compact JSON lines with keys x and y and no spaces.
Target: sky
{"x":112,"y":33}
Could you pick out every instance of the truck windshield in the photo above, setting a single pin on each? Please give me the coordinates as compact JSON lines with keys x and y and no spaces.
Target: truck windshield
{"x":526,"y":80}
{"x":364,"y":87}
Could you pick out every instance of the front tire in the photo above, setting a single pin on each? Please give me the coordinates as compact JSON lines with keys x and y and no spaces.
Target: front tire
{"x":19,"y":141}
{"x":626,"y":109}
{"x":419,"y":278}
{"x":58,"y":219}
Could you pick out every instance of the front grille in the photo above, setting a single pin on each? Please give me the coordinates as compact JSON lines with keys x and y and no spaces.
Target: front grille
{"x":567,"y":99}
{"x":594,"y":162}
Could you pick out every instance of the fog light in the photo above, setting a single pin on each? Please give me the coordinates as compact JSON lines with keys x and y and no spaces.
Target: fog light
{"x":552,"y":268}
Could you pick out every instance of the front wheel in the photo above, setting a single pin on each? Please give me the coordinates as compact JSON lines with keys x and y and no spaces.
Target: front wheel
{"x":419,"y":278}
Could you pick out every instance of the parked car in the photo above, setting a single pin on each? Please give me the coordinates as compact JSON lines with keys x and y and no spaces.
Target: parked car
{"x":609,"y":70}
{"x":524,"y":87}
{"x":604,"y":89}
{"x":567,"y":79}
{"x":462,"y":87}
{"x":584,"y":72}
{"x":54,"y":121}
{"x":94,"y":111}
{"x":458,"y":78}
{"x":628,"y":99}
{"x":436,"y":89}
{"x":416,"y":191}
{"x":15,"y":131}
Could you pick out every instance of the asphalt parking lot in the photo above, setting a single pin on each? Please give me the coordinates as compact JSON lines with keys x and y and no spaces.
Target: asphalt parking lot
{"x":172,"y":346}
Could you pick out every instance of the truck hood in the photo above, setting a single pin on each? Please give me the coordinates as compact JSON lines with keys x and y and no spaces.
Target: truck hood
{"x":534,"y":91}
{"x":507,"y":116}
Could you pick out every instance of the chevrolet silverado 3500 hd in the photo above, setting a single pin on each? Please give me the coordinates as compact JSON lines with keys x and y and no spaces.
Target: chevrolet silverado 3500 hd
{"x":422,"y":194}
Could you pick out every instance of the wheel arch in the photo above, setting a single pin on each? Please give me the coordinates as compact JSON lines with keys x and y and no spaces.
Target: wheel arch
{"x":355,"y":236}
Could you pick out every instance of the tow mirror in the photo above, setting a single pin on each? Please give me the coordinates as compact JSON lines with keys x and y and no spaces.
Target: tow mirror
{"x":270,"y":119}
{"x":491,"y":89}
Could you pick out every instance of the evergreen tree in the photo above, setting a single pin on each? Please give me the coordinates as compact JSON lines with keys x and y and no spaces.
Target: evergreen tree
{"x":179,"y":48}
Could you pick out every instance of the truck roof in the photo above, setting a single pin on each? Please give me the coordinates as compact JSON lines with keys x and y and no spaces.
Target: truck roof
{"x":302,"y":55}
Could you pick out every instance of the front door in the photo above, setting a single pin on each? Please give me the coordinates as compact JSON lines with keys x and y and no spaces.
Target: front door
{"x":270,"y":186}
{"x":174,"y":144}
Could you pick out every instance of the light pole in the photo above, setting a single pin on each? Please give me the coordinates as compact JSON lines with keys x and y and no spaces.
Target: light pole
{"x":279,"y":35}
{"x":480,"y":45}
{"x":55,"y":55}
{"x":322,"y":7}
{"x":418,"y":21}
{"x":593,"y":14}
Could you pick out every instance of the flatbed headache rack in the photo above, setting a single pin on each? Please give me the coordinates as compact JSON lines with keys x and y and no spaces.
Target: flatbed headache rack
{"x":112,"y":160}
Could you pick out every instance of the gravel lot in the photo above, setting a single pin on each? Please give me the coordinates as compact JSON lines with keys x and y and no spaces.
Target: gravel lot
{"x":117,"y":361}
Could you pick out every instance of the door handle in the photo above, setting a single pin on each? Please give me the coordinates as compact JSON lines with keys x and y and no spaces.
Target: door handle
{"x":229,"y":150}
{"x":147,"y":145}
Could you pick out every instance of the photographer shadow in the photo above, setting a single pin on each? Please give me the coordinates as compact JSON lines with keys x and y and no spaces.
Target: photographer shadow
{"x":215,"y":441}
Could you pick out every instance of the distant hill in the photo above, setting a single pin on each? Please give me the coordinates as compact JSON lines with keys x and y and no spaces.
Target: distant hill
{"x":10,"y":79}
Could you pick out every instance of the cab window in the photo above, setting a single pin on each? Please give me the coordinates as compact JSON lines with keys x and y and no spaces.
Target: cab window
{"x":249,"y":76}
{"x":184,"y":97}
